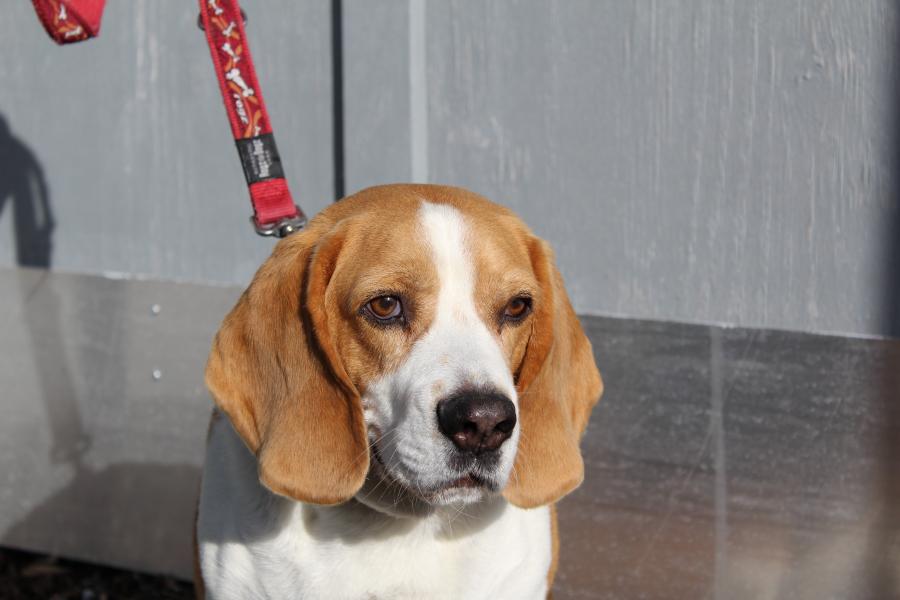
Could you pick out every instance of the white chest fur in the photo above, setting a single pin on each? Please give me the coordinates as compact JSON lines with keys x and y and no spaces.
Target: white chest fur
{"x":254,"y":544}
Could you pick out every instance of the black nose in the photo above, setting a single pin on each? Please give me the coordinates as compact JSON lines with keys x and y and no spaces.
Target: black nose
{"x":475,"y":421}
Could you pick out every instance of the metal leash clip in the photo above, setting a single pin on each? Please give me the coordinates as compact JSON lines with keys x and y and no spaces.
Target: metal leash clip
{"x":281,"y":228}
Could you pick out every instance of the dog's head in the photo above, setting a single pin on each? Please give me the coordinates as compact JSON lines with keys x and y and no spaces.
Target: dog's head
{"x":417,"y":336}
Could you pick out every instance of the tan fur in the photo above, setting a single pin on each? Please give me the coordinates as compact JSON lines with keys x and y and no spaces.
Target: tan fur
{"x":558,"y":386}
{"x":275,"y":372}
{"x":292,"y":359}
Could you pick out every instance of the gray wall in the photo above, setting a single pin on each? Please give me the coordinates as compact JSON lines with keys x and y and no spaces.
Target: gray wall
{"x":691,"y":160}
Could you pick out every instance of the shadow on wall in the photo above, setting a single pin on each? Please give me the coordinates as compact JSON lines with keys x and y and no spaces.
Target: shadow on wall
{"x":891,"y":307}
{"x":121,"y":513}
{"x":886,"y":555}
{"x":22,"y":184}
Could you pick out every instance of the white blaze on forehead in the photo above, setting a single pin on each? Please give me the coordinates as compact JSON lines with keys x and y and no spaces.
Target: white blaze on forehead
{"x":458,"y":335}
{"x":445,"y":233}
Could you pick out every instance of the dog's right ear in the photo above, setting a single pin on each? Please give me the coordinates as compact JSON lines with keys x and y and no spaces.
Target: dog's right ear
{"x":558,"y":385}
{"x":275,"y":372}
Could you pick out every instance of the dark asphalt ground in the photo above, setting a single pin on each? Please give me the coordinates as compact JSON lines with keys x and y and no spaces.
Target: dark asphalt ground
{"x":26,"y":576}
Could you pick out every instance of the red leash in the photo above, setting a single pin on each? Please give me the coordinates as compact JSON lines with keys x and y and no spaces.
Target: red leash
{"x":274,"y":211}
{"x":71,"y":20}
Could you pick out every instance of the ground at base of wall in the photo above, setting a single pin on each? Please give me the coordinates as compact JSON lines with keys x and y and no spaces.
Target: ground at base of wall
{"x":26,"y":576}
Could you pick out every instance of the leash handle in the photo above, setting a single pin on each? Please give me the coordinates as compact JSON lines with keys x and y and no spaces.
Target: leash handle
{"x":70,"y":21}
{"x":275,"y":213}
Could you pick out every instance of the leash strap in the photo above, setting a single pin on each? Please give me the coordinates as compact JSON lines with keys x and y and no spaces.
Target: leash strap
{"x":70,"y":21}
{"x":275,"y":213}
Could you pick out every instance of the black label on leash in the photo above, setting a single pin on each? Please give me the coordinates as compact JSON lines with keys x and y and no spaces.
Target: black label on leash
{"x":260,"y":159}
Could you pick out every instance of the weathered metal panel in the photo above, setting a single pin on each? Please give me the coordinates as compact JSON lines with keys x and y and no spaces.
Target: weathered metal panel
{"x":124,"y":141}
{"x":734,"y":464}
{"x":378,"y":143}
{"x":715,"y":161}
{"x":692,"y":160}
{"x":105,"y":415}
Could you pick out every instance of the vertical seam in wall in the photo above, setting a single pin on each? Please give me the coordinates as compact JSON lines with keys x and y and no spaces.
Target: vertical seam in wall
{"x":337,"y":97}
{"x":717,"y":395}
{"x":418,"y":93}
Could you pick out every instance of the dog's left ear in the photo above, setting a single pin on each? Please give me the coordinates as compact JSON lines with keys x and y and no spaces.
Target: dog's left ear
{"x":558,"y":385}
{"x":275,"y":371}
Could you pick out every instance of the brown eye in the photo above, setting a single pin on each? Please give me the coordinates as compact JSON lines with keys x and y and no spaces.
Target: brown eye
{"x":517,"y":308}
{"x":385,"y":308}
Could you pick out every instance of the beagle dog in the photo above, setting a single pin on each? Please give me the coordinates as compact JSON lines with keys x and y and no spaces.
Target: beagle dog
{"x":400,"y":396}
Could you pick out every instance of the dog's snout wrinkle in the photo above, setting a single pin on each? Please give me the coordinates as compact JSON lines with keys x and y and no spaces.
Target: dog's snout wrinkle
{"x":477,"y":422}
